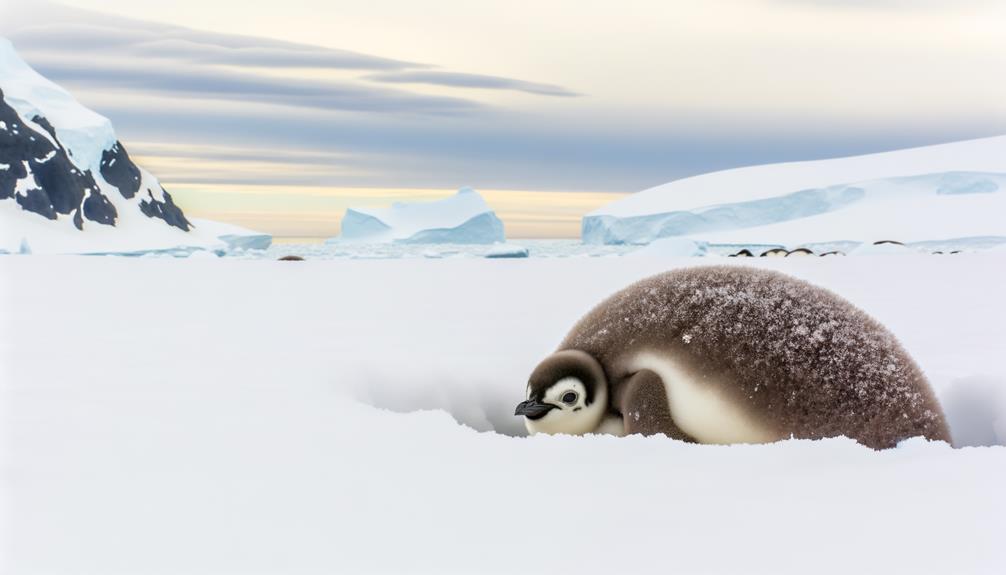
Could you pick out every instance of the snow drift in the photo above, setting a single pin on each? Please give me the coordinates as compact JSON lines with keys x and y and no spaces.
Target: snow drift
{"x":67,"y":185}
{"x":975,"y":407}
{"x":932,"y":193}
{"x":463,"y":218}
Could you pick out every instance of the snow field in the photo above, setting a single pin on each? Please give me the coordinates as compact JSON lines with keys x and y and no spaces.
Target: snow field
{"x":210,"y":416}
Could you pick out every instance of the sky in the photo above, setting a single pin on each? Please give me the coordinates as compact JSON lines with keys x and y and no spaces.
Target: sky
{"x":279,"y":115}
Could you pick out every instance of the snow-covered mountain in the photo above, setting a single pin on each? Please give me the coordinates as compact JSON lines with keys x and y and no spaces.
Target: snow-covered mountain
{"x":463,"y":218}
{"x":949,"y":191}
{"x":67,"y":185}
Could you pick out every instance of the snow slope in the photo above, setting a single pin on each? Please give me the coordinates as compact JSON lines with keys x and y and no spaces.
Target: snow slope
{"x":463,"y":218}
{"x":236,"y":237}
{"x":932,"y":193}
{"x":67,"y":185}
{"x":306,"y":423}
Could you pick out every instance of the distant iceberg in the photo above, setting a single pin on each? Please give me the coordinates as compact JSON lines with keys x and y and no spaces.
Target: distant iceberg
{"x":503,"y":251}
{"x":463,"y":218}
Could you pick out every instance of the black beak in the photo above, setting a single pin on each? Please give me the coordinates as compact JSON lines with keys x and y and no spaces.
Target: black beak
{"x":533,"y":409}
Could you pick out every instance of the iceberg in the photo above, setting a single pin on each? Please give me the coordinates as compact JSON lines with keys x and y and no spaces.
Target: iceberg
{"x":501,"y":251}
{"x":463,"y":218}
{"x":955,"y":190}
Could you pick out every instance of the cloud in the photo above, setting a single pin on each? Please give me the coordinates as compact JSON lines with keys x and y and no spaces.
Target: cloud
{"x":494,"y":149}
{"x":462,"y":80}
{"x":205,"y":48}
{"x":57,"y":34}
{"x":154,"y":79}
{"x":239,"y":153}
{"x":86,"y":50}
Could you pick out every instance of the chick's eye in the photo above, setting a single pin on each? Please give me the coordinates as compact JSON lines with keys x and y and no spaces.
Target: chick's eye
{"x":569,"y":398}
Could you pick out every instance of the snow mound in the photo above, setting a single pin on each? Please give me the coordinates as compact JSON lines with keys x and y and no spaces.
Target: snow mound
{"x":976,"y":410}
{"x":463,"y":218}
{"x":937,"y":192}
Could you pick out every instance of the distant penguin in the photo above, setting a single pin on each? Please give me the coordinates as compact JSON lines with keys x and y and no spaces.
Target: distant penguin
{"x":799,"y":252}
{"x":729,"y":354}
{"x":744,"y":253}
{"x":774,"y":253}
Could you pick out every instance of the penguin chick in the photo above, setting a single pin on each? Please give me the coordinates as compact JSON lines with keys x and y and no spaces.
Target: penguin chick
{"x":728,"y":354}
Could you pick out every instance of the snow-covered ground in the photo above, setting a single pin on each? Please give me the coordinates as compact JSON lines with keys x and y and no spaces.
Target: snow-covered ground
{"x":396,"y":250}
{"x":664,"y":247}
{"x":230,"y":416}
{"x":25,"y":232}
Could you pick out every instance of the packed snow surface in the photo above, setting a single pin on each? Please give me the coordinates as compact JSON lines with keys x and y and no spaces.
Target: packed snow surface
{"x":666,"y":247}
{"x":352,"y":250}
{"x":940,"y":192}
{"x":233,"y":416}
{"x":463,"y":218}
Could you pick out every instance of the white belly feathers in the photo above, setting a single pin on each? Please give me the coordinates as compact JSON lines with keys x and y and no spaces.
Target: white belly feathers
{"x":699,"y":408}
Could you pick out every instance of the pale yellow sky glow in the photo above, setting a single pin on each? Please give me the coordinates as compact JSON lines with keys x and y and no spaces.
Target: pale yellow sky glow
{"x":316,"y":212}
{"x":306,"y":211}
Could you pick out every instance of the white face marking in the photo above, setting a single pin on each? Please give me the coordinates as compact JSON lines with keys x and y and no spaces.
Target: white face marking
{"x":699,"y":409}
{"x":576,"y":418}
